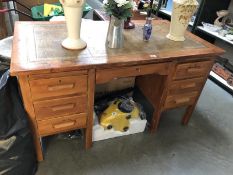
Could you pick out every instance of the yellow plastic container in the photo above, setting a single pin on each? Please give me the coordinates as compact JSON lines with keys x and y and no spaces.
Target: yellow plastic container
{"x":114,"y":117}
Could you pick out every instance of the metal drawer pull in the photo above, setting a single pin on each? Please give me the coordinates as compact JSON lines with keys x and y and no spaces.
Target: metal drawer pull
{"x":60,"y":87}
{"x":183,"y":100}
{"x":63,"y":107}
{"x":63,"y":125}
{"x":188,"y":85}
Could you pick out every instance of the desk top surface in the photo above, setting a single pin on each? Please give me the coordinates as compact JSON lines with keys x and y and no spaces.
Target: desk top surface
{"x":37,"y":47}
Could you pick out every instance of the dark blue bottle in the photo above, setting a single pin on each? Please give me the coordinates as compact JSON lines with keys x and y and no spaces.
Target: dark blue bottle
{"x":147,"y":29}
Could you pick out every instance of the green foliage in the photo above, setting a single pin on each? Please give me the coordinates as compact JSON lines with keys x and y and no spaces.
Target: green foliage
{"x":123,"y":12}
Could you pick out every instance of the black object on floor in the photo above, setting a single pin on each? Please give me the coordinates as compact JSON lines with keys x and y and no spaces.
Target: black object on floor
{"x":17,"y":153}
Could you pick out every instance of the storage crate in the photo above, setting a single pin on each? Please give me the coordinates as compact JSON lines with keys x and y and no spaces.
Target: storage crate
{"x":38,"y":11}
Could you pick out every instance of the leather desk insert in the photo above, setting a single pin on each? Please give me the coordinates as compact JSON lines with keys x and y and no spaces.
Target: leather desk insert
{"x":58,"y":85}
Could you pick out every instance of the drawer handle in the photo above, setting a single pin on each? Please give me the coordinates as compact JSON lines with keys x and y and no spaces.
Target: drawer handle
{"x":182,"y":100}
{"x":138,"y":69}
{"x":188,"y":85}
{"x":63,"y":107}
{"x":193,"y":70}
{"x":63,"y":125}
{"x":60,"y":87}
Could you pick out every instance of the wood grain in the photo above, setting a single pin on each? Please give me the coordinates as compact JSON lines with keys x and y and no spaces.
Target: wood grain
{"x":53,"y":87}
{"x":90,"y":110}
{"x":59,"y":107}
{"x":106,"y":75}
{"x":187,"y":85}
{"x":191,"y":70}
{"x":184,"y":99}
{"x":62,"y":124}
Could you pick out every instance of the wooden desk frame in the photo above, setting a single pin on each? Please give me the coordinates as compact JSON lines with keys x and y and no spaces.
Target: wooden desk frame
{"x":58,"y":89}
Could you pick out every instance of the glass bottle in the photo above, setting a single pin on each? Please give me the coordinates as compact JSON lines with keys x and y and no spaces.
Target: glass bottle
{"x":147,"y":29}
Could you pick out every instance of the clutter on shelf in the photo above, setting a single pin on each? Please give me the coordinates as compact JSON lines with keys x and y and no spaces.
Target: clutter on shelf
{"x":224,"y":69}
{"x":222,"y":27}
{"x":211,"y":27}
{"x":221,"y":14}
{"x":52,"y":10}
{"x":145,"y":5}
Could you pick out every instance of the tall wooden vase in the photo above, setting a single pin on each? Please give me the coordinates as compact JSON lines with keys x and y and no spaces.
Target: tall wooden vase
{"x":73,"y":10}
{"x":181,"y":14}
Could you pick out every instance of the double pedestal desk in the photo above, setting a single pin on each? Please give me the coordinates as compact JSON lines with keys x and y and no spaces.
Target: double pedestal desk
{"x":58,"y":85}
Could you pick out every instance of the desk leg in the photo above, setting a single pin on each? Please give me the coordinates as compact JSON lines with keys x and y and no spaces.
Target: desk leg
{"x":91,"y":94}
{"x":188,"y":114}
{"x":37,"y":143}
{"x":26,"y":94}
{"x":191,"y":108}
{"x":155,"y":120}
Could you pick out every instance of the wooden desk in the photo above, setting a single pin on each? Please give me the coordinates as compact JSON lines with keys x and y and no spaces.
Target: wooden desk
{"x":58,"y":85}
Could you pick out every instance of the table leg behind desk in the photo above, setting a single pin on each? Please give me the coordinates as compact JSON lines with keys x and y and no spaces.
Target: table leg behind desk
{"x":3,"y":29}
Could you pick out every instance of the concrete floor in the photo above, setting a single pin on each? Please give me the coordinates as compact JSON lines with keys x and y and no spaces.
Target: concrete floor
{"x":203,"y":147}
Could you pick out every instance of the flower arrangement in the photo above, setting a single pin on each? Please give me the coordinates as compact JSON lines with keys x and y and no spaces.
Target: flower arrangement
{"x":121,"y":9}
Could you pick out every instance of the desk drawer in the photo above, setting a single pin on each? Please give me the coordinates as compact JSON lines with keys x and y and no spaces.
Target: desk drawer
{"x":184,"y":86}
{"x":173,"y":101}
{"x":62,"y":124}
{"x":106,"y":75}
{"x":62,"y":106}
{"x":191,"y":70}
{"x":52,"y":87}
